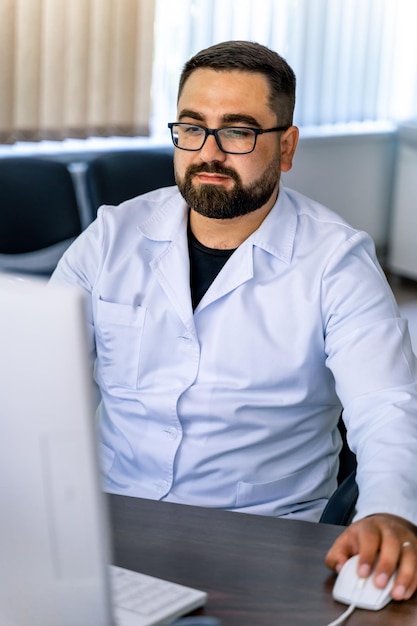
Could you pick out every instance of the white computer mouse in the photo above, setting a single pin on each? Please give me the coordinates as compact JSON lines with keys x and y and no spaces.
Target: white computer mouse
{"x":349,"y":588}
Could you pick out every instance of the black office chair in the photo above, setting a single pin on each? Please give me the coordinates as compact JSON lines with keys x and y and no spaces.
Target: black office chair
{"x":340,"y":508}
{"x":39,"y":215}
{"x":114,"y":177}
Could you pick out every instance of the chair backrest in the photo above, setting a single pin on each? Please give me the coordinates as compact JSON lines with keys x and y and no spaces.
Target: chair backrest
{"x":340,"y":508}
{"x":347,"y":459}
{"x":39,"y":214}
{"x":114,"y":177}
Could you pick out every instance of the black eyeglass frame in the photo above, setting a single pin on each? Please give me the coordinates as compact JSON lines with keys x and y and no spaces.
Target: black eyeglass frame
{"x":215,"y":131}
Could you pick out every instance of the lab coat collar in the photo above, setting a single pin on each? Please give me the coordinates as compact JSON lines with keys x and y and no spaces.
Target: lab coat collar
{"x":276,"y":234}
{"x":170,"y":214}
{"x":168,"y":222}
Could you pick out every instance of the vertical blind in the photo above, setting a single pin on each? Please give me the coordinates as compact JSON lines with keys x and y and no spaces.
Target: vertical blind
{"x":355,"y":60}
{"x":75,"y":68}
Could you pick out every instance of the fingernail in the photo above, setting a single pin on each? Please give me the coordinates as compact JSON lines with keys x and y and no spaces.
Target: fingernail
{"x":381,"y":580}
{"x":399,"y":592}
{"x":364,"y":570}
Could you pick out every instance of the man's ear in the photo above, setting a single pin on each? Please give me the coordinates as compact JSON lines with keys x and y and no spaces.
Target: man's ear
{"x":289,"y":140}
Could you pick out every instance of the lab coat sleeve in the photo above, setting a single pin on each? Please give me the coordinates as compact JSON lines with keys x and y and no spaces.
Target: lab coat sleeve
{"x":369,"y":351}
{"x":79,"y":267}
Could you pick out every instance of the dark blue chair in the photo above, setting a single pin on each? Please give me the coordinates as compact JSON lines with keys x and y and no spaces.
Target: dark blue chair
{"x":340,"y":508}
{"x":114,"y":177}
{"x":39,"y":214}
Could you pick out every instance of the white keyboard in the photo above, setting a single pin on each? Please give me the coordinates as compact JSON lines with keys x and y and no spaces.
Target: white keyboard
{"x":141,"y":600}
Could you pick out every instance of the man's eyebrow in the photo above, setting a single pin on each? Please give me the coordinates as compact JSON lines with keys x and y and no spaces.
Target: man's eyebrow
{"x":240,"y":118}
{"x":228,"y":118}
{"x":190,"y":113}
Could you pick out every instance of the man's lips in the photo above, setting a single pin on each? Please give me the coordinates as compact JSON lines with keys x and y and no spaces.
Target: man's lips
{"x":214,"y":179}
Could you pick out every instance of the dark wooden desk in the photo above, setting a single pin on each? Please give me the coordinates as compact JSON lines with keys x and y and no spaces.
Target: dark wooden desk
{"x":258,"y":571}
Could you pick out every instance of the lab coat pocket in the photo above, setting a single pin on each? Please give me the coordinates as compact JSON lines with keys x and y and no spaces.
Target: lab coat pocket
{"x":287,"y":490}
{"x":119,"y":329}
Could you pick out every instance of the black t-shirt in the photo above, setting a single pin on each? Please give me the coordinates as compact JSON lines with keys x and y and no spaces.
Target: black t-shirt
{"x":205,"y":264}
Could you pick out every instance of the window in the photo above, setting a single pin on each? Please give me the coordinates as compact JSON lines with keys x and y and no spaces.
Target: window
{"x":77,"y":68}
{"x":355,"y":60}
{"x":74,"y":68}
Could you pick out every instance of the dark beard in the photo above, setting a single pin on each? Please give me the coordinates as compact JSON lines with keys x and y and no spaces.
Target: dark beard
{"x":215,"y":202}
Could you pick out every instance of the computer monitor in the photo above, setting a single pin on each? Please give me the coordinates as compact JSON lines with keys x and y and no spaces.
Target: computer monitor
{"x":54,"y":537}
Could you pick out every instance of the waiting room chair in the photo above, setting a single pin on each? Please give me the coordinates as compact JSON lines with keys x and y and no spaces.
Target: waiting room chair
{"x":340,"y":508}
{"x":39,"y":215}
{"x":114,"y":177}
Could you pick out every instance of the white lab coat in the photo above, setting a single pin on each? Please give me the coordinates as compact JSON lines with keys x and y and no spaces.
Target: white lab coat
{"x":235,"y":405}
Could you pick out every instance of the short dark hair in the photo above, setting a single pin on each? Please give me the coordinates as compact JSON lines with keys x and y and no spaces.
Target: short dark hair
{"x":248,"y":56}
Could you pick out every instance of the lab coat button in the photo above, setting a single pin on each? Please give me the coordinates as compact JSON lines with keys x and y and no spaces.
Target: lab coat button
{"x":172,"y":433}
{"x":162,"y":486}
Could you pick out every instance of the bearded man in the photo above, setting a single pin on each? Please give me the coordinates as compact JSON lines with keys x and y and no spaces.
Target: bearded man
{"x":231,"y":321}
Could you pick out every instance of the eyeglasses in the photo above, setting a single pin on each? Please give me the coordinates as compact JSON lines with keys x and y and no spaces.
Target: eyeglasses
{"x":231,"y":139}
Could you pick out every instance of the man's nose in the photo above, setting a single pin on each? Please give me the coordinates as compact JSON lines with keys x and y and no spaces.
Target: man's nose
{"x":211,"y":151}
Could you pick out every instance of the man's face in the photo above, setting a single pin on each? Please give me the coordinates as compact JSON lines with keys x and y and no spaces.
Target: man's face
{"x":216,"y":184}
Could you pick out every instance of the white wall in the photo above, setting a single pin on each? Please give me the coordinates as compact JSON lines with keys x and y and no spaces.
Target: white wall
{"x":402,"y":257}
{"x":351,"y":173}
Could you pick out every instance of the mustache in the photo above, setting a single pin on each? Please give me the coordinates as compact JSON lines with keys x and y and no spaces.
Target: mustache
{"x":213,"y":168}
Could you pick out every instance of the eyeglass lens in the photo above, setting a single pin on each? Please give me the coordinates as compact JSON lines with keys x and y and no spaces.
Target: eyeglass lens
{"x":231,"y":139}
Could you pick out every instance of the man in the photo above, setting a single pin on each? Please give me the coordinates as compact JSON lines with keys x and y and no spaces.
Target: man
{"x":234,"y":318}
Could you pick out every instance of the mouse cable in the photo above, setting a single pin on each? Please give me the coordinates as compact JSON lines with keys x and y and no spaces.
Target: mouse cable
{"x":202,"y":620}
{"x":344,"y":616}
